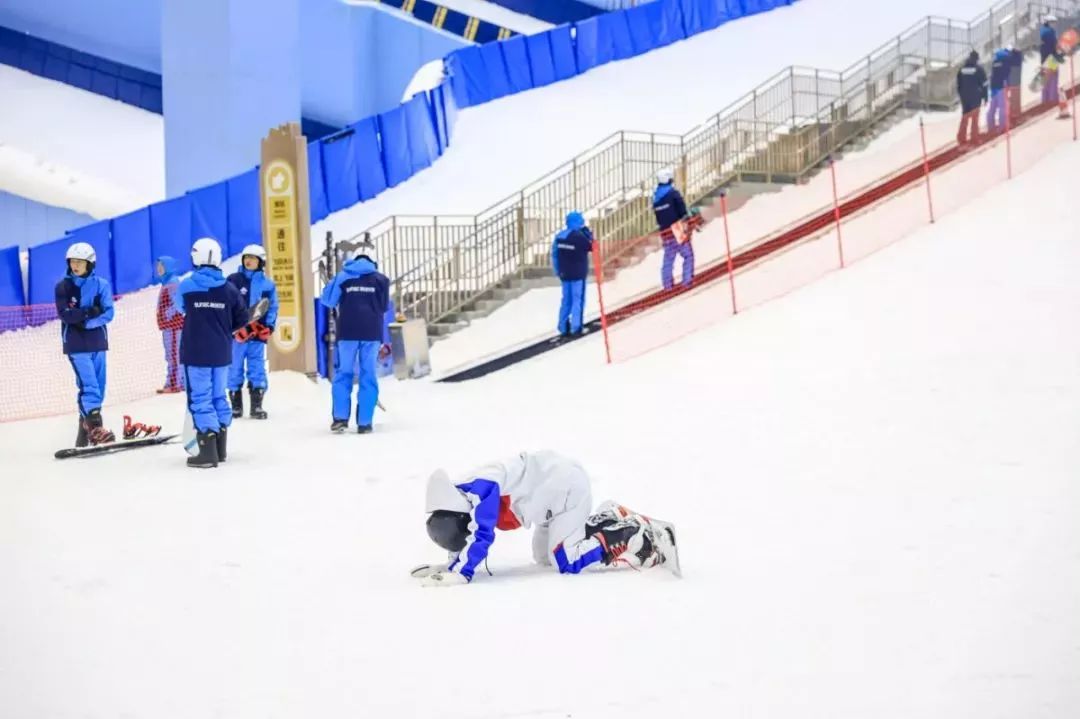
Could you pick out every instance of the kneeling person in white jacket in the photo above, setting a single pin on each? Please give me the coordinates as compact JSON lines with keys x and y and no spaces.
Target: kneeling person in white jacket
{"x":549,"y":491}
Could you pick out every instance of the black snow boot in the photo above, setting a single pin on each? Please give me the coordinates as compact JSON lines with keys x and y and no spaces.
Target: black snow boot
{"x":629,"y":541}
{"x":257,"y":412}
{"x":237,"y":399}
{"x":363,"y":429}
{"x":222,"y":438}
{"x":339,"y":425}
{"x":208,"y":456}
{"x":95,"y":428}
{"x":81,"y":440}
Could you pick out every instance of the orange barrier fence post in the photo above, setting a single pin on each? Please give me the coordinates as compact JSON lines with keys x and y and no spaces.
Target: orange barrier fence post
{"x":727,"y":247}
{"x":926,"y":170}
{"x":836,"y":211}
{"x":598,"y":268}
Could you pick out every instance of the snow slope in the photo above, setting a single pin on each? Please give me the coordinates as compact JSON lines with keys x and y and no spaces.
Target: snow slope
{"x":71,"y":148}
{"x":500,"y":147}
{"x":873,"y":478}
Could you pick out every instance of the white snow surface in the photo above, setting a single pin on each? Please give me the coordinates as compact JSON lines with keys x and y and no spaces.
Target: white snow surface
{"x":502,"y":146}
{"x":67,"y":147}
{"x":873,"y":478}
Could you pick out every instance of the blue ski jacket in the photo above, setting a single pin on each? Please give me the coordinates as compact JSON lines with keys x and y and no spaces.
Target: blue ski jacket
{"x":571,"y":248}
{"x":213,"y":309}
{"x":361,"y":295}
{"x":254,"y":285}
{"x":84,"y":306}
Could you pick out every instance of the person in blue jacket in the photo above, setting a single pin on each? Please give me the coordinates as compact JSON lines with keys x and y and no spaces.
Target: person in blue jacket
{"x":570,"y":258}
{"x":971,"y":87}
{"x":170,"y":322}
{"x":360,"y":294}
{"x":669,"y":208}
{"x":84,"y":303}
{"x":999,"y":77}
{"x":213,"y":309}
{"x":1048,"y":39}
{"x":254,"y":286}
{"x":1012,"y":83}
{"x":1048,"y":46}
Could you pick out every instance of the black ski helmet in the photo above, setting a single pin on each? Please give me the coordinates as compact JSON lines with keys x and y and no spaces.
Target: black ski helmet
{"x":449,"y":529}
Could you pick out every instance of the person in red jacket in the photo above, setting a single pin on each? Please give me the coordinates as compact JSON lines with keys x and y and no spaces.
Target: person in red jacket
{"x":170,"y":321}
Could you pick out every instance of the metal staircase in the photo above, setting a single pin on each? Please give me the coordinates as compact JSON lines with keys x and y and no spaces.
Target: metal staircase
{"x":452,"y":270}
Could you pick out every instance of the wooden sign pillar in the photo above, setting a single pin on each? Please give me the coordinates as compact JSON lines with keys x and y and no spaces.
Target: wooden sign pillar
{"x":286,"y":228}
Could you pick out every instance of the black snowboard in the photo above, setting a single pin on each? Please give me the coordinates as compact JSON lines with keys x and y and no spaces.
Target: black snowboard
{"x":110,"y":447}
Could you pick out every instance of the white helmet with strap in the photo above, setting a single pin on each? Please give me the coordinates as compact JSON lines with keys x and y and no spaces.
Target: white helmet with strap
{"x":664,"y":176}
{"x":81,"y":251}
{"x":206,"y":251}
{"x":254,"y":251}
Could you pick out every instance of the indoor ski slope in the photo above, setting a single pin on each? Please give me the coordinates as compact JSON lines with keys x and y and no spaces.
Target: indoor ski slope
{"x":497,"y":148}
{"x":874,"y":479}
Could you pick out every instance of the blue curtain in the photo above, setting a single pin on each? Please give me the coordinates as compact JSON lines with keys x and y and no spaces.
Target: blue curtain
{"x":366,"y":146}
{"x":498,"y":80}
{"x":339,"y":167}
{"x":170,"y":231}
{"x":562,"y":52}
{"x":515,"y":53}
{"x":541,"y":64}
{"x":469,"y":76}
{"x":617,"y":27}
{"x":210,"y":215}
{"x":11,"y":280}
{"x":133,"y":259}
{"x":47,"y":267}
{"x":397,"y":160}
{"x":423,"y":146}
{"x":245,"y":211}
{"x":316,"y":183}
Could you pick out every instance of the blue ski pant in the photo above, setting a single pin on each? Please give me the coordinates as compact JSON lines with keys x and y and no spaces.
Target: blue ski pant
{"x":572,"y":308}
{"x":89,"y":378}
{"x":253,"y":353}
{"x":995,"y":116}
{"x":174,"y":372}
{"x":350,"y":353}
{"x":208,"y":401}
{"x":673,"y":248}
{"x":1050,"y":87}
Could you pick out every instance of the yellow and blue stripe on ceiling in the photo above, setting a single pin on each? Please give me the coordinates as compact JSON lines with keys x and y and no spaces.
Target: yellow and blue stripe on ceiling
{"x":458,"y":23}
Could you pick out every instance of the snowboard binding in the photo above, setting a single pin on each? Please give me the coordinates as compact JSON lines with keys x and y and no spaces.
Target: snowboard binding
{"x":138,"y":430}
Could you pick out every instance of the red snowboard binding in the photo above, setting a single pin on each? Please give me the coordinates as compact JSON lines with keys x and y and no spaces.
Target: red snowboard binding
{"x":138,"y":430}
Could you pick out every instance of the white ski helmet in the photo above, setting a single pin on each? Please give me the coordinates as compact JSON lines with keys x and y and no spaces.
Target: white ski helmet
{"x":206,"y":251}
{"x":664,"y":176}
{"x":81,"y":251}
{"x":255,"y":251}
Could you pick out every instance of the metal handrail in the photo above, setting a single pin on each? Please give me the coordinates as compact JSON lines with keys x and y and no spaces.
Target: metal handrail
{"x":780,"y":130}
